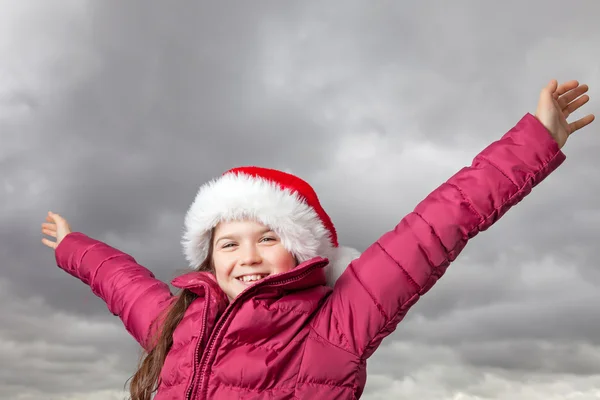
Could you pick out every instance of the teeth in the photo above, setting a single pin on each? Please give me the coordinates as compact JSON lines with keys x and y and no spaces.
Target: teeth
{"x":251,"y":278}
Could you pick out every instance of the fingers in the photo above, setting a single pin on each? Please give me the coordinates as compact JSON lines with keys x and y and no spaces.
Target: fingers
{"x":571,"y":108}
{"x":49,"y":243}
{"x":580,"y":123}
{"x":57,"y":220}
{"x":550,"y":89}
{"x":54,"y":217}
{"x":571,"y":95}
{"x":49,"y":232}
{"x":47,"y":225}
{"x":570,"y":98}
{"x":565,"y":87}
{"x":50,"y":228}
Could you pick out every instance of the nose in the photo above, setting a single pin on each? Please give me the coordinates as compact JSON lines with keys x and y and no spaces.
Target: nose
{"x":250,"y":255}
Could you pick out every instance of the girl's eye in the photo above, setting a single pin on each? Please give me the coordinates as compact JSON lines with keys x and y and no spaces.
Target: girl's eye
{"x":268,"y":239}
{"x":227,"y":245}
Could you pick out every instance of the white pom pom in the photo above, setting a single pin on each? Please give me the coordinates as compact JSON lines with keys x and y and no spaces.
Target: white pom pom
{"x":339,"y":260}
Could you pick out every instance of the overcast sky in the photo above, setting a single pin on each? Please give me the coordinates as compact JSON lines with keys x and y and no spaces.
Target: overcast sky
{"x":113,"y":114}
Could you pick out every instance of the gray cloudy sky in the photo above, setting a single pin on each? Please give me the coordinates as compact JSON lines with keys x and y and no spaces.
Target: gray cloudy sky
{"x":114,"y":113}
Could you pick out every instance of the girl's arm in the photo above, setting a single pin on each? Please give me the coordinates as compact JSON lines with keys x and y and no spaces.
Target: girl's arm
{"x":129,"y":290}
{"x":376,"y":291}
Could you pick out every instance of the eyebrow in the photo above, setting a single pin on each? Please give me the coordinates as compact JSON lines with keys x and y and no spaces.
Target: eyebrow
{"x":233,"y":236}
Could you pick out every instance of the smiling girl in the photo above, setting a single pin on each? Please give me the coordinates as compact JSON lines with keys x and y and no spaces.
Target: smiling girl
{"x":274,"y":307}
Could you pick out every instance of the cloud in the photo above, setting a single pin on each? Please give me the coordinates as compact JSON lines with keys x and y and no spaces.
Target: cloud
{"x":409,"y":369}
{"x":53,"y":352}
{"x":113,"y":116}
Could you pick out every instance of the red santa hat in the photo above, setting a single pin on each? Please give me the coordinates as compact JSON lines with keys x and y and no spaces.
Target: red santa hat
{"x":281,"y":201}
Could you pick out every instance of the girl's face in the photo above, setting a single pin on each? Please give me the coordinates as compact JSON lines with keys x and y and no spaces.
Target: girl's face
{"x":245,"y":252}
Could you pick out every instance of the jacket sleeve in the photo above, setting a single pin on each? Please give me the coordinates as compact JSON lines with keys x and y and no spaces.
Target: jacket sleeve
{"x":376,"y":291}
{"x":129,"y":290}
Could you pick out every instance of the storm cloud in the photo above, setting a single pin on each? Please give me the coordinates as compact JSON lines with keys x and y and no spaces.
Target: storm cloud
{"x":113,"y":114}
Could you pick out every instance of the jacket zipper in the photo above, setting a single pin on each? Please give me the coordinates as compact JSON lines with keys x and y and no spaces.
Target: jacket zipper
{"x":199,"y":342}
{"x":224,"y":317}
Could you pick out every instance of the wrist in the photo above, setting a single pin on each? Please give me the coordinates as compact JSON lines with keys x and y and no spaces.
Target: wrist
{"x":549,"y":129}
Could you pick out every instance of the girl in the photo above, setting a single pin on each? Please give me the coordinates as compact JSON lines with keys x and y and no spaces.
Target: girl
{"x":274,"y":308}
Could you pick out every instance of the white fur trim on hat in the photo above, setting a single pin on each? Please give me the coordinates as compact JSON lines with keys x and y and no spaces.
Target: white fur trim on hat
{"x":239,"y":196}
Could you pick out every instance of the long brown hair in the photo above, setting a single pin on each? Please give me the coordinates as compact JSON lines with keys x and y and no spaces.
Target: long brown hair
{"x":146,"y":379}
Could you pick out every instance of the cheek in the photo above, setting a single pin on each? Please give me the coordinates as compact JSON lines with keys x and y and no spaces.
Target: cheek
{"x":223,"y":267}
{"x":283,"y":261}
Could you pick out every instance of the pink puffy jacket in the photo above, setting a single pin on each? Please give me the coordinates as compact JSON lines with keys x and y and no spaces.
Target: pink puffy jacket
{"x":292,"y":337}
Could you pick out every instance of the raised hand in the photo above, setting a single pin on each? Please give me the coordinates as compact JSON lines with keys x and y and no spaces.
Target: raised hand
{"x":56,"y":227}
{"x":557,"y":103}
